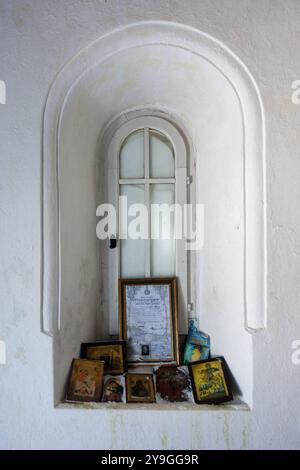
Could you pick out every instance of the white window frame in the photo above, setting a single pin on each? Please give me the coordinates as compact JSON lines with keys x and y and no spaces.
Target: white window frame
{"x":181,"y":262}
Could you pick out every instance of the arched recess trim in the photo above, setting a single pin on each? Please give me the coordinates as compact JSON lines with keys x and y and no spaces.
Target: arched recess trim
{"x":235,"y":72}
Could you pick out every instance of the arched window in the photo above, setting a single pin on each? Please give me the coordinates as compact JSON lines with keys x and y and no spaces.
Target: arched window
{"x":147,"y":177}
{"x":147,"y":162}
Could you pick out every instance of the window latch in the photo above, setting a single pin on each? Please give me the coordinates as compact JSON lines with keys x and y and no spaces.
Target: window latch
{"x":112,"y":242}
{"x":190,"y":307}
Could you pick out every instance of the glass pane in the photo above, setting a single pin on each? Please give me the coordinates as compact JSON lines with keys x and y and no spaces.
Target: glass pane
{"x":132,"y":156}
{"x":162,"y":161}
{"x":132,"y":251}
{"x":162,"y":250}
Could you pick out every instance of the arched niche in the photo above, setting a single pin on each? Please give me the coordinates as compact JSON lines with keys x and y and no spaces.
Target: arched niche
{"x":197,"y":83}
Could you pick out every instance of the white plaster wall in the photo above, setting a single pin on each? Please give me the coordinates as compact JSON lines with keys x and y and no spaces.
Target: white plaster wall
{"x":154,"y":76}
{"x":37,"y":38}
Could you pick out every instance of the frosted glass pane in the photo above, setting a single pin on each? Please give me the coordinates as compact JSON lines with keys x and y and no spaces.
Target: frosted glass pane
{"x":132,"y":251}
{"x":162,"y":246}
{"x":132,"y":156}
{"x":162,"y":161}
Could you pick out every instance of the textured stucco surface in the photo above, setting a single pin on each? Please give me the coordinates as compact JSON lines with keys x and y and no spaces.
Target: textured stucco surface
{"x":37,"y":38}
{"x":212,"y":116}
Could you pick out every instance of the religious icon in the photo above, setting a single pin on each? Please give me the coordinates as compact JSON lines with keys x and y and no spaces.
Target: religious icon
{"x":86,"y":380}
{"x":112,"y":353}
{"x":173,"y":384}
{"x":113,"y":389}
{"x":140,"y":388}
{"x":210,"y":382}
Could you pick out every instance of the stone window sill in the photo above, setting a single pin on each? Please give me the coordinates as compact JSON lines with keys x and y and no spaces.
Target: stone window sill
{"x":236,"y":405}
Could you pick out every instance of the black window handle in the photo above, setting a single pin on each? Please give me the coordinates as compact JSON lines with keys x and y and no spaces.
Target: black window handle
{"x":112,"y":242}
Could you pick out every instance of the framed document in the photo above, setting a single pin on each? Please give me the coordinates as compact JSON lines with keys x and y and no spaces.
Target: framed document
{"x":148,"y":320}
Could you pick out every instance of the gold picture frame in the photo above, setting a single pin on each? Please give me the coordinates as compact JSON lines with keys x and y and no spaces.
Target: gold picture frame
{"x":148,"y":317}
{"x":140,"y":388}
{"x":210,"y":381}
{"x":86,"y":381}
{"x":113,"y":353}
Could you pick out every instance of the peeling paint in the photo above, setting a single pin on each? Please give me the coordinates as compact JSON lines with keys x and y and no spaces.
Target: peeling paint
{"x":21,"y":14}
{"x":164,"y":440}
{"x":244,"y":439}
{"x":20,"y":355}
{"x":226,"y":431}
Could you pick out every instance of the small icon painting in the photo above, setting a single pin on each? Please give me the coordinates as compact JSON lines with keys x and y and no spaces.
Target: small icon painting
{"x":145,"y":349}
